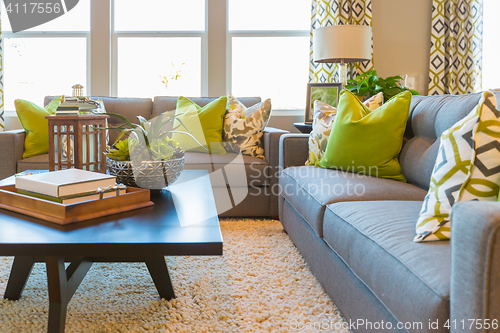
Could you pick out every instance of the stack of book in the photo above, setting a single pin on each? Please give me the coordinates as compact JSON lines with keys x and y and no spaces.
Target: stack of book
{"x":69,"y":107}
{"x":69,"y":186}
{"x":74,"y":106}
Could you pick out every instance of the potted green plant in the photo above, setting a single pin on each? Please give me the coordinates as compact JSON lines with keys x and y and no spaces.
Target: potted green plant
{"x":369,"y":84}
{"x":143,"y":154}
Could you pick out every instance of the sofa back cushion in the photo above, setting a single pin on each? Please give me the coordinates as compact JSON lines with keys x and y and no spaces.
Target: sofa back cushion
{"x":429,"y":117}
{"x":169,"y":103}
{"x":128,"y":106}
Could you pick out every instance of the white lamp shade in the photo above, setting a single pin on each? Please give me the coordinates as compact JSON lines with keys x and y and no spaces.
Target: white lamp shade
{"x":342,"y":43}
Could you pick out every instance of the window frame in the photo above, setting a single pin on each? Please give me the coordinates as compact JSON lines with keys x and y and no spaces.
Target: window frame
{"x":54,"y":34}
{"x":115,"y":35}
{"x":259,"y":33}
{"x":216,"y":47}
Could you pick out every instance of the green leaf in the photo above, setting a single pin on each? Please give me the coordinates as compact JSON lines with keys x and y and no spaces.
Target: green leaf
{"x":390,"y":82}
{"x":192,"y":137}
{"x":122,"y":134}
{"x":392,"y":91}
{"x":122,"y":118}
{"x":363,"y":91}
{"x":397,"y":77}
{"x":364,"y":75}
{"x":181,"y":124}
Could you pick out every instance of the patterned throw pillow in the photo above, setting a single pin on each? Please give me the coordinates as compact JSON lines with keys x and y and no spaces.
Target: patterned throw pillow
{"x":467,"y":168}
{"x":483,"y":183}
{"x":244,"y":127}
{"x":323,"y":117}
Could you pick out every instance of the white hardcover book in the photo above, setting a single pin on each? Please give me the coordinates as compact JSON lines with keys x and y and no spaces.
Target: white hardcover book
{"x":64,"y":182}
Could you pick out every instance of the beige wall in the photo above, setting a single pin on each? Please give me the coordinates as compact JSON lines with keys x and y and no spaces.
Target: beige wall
{"x":286,"y":122}
{"x":401,"y":39}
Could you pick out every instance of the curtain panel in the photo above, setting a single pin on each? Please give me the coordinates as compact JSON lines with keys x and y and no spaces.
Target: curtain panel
{"x":456,"y":47}
{"x":333,"y":12}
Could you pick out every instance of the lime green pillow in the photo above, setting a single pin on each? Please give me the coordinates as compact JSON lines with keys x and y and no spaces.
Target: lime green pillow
{"x":205,"y":123}
{"x":365,"y":141}
{"x":32,"y":118}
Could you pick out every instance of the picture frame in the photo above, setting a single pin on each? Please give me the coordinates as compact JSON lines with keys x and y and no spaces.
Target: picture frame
{"x":325,"y":92}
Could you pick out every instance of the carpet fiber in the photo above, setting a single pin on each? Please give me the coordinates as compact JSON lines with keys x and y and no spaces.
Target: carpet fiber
{"x":260,"y":284}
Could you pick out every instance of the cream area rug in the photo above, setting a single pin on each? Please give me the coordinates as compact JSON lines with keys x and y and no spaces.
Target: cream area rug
{"x":260,"y":284}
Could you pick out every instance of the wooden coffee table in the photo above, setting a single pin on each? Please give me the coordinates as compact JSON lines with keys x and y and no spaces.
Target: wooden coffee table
{"x":183,"y":221}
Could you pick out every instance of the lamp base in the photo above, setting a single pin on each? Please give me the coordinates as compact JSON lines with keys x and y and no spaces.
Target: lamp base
{"x":343,"y":74}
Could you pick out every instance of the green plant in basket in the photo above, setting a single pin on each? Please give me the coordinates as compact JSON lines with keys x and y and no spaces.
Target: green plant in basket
{"x":153,"y":134}
{"x":369,"y":84}
{"x":119,"y":151}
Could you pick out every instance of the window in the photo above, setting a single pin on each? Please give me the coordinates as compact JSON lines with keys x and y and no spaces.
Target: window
{"x":491,"y":47}
{"x":158,"y":51}
{"x":165,"y":47}
{"x":270,"y":50}
{"x":47,"y":59}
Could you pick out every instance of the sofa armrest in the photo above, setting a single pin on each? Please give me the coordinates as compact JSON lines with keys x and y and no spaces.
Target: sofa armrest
{"x":294,"y":150}
{"x":475,"y":264}
{"x":12,"y":149}
{"x":271,"y":143}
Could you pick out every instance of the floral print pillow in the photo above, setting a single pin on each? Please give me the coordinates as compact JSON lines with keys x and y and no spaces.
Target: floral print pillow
{"x":324,"y":115}
{"x":244,"y":127}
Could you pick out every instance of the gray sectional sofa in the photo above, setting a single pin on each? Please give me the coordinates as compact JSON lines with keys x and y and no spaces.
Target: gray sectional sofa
{"x":252,"y":196}
{"x":356,"y":233}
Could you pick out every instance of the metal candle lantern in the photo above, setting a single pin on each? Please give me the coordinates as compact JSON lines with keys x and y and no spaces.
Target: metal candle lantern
{"x":77,"y":142}
{"x":77,"y":90}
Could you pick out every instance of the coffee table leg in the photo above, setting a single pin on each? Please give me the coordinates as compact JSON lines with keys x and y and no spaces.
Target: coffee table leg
{"x":159,"y":272}
{"x":21,"y":269}
{"x":62,"y":285}
{"x":58,"y":299}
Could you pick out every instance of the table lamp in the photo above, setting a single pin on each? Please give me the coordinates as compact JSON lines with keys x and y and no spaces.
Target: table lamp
{"x":342,"y":44}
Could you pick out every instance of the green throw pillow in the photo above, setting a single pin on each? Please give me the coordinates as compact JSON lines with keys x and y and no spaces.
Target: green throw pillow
{"x":205,"y":123}
{"x":365,"y":141}
{"x":32,"y":118}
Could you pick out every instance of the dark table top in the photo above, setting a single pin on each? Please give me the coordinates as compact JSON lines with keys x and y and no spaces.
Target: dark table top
{"x":303,"y":127}
{"x":183,"y":221}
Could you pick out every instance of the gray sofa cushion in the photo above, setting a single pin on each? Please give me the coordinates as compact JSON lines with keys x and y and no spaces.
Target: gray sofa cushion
{"x":375,"y":240}
{"x":39,"y":162}
{"x":234,"y":166}
{"x":310,"y":189}
{"x":429,"y":117}
{"x":168,"y":103}
{"x":129,"y":107}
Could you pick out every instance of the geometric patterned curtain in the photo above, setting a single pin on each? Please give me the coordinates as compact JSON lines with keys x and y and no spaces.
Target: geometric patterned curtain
{"x":334,"y":12}
{"x":456,"y":47}
{"x":2,"y":120}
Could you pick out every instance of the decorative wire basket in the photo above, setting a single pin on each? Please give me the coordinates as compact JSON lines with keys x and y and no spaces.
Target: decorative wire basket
{"x":148,"y":174}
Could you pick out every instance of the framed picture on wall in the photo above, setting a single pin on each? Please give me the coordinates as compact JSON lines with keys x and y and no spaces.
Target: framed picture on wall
{"x":325,"y":92}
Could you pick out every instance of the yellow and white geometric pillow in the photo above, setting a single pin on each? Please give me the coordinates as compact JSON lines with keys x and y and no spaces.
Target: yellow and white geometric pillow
{"x":467,"y":168}
{"x":244,"y":128}
{"x":484,"y":180}
{"x":323,"y":117}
